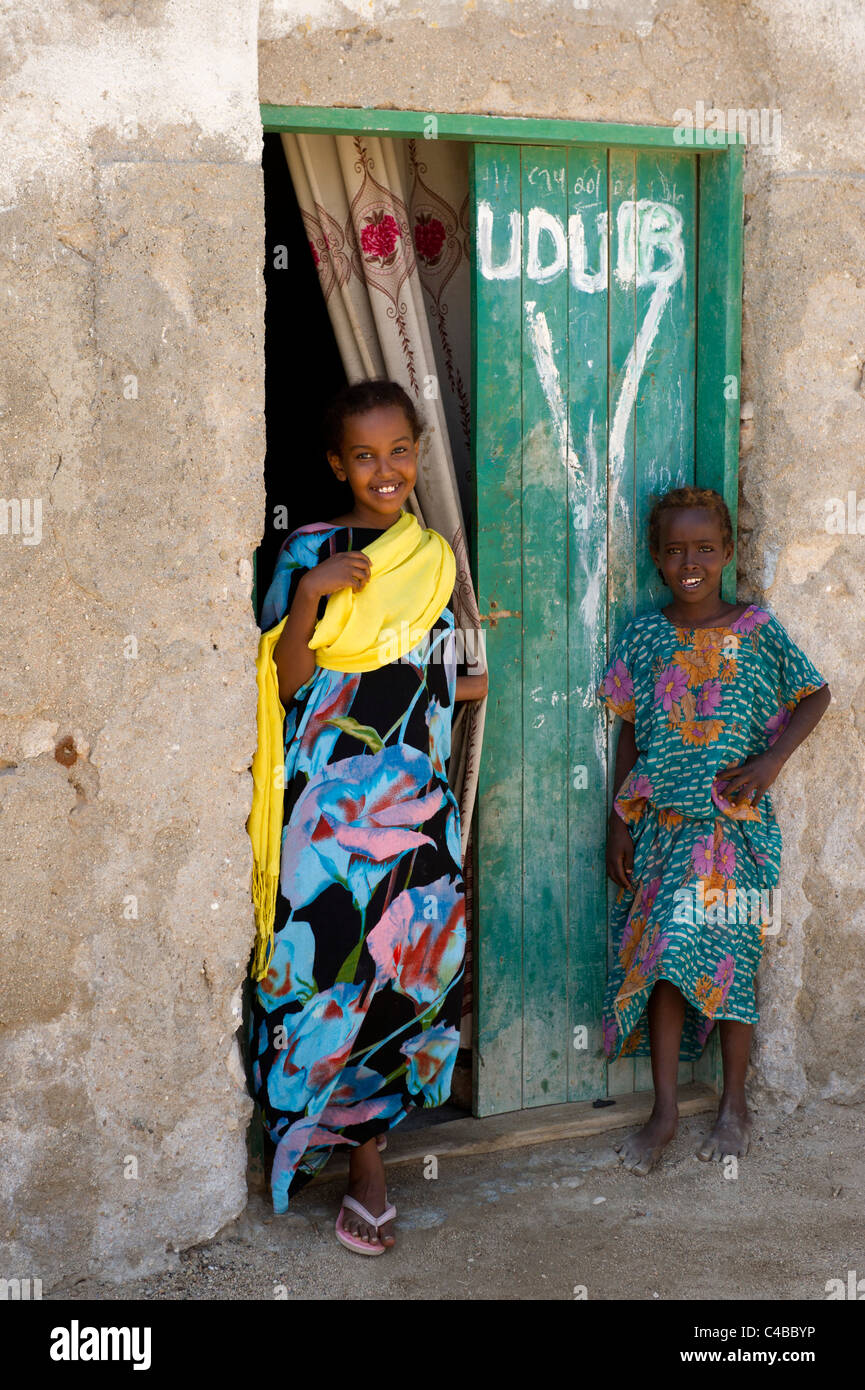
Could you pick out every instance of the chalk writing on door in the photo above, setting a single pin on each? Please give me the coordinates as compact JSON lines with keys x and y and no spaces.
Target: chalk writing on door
{"x":649,"y":251}
{"x":645,"y":230}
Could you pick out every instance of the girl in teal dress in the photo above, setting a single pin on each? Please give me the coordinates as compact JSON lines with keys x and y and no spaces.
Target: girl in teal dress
{"x":713,"y":698}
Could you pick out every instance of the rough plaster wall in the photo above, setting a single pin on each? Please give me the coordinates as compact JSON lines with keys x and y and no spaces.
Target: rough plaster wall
{"x":132,"y":406}
{"x":803,"y":355}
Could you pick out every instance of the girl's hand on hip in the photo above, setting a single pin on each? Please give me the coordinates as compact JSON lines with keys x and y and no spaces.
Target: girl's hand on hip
{"x":750,"y":780}
{"x":620,"y":852}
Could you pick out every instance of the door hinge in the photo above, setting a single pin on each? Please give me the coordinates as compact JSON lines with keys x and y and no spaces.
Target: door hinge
{"x":493,"y":618}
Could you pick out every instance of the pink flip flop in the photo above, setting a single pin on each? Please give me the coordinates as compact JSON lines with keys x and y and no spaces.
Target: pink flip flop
{"x":353,"y":1242}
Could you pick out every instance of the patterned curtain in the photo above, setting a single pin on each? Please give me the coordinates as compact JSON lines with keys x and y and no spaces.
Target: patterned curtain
{"x":387,"y":222}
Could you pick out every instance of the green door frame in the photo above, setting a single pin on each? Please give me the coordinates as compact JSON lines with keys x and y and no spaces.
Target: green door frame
{"x":718,"y":355}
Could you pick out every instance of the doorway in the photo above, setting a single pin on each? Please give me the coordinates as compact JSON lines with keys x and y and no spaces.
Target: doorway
{"x":303,"y":371}
{"x":605,"y":317}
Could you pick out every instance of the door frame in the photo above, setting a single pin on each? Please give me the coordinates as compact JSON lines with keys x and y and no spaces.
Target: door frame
{"x":718,"y":360}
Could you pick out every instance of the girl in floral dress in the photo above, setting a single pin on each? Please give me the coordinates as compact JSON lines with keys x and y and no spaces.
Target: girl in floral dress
{"x":713,"y":698}
{"x":357,"y":1018}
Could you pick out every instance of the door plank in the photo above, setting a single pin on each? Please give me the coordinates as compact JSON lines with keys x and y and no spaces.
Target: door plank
{"x":719,"y":345}
{"x":587,"y":620}
{"x":621,"y":569}
{"x":496,"y":375}
{"x":546,"y":435}
{"x":664,"y":407}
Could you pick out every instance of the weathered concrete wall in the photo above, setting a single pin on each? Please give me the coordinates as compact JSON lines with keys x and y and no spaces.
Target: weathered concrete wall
{"x":132,"y":403}
{"x":132,"y":373}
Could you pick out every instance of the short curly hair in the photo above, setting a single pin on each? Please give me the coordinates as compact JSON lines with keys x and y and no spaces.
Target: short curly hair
{"x":684,"y":498}
{"x":357,"y":399}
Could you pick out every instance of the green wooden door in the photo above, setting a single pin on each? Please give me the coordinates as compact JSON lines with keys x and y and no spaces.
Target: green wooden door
{"x":606,"y":287}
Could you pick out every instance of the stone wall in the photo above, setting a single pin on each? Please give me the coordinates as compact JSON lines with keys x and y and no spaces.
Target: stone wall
{"x":132,"y":381}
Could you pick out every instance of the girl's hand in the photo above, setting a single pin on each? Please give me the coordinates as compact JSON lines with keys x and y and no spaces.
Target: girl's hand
{"x":751,"y":779}
{"x":348,"y":571}
{"x":620,"y":852}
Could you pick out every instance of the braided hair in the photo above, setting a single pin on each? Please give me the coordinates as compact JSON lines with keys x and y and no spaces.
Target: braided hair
{"x":357,"y":399}
{"x":682,"y":498}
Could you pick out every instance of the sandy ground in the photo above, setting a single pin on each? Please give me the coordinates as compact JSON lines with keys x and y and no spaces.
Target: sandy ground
{"x":540,"y":1222}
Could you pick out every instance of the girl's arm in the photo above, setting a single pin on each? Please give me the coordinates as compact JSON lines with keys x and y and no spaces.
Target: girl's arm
{"x":295,"y":663}
{"x":620,"y":846}
{"x":804,"y":719}
{"x":756,"y":775}
{"x":471,"y":687}
{"x":626,"y":755}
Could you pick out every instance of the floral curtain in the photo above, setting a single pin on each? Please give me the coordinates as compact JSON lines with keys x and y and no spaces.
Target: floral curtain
{"x":387,"y":222}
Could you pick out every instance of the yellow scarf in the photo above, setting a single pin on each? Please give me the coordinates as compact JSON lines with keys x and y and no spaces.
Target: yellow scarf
{"x":411,"y":581}
{"x":265,"y":819}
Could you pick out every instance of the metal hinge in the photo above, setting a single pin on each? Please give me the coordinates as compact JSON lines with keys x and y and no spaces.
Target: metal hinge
{"x":493,"y":618}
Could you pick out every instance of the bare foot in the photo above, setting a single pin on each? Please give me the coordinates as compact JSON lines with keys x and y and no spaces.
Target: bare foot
{"x":731,"y":1134}
{"x":640,"y":1151}
{"x":366,"y":1183}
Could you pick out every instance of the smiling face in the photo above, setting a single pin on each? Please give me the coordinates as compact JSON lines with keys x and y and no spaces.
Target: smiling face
{"x":378,"y":460}
{"x":691,"y":553}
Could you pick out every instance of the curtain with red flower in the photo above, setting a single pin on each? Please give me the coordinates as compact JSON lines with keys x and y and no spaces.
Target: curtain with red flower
{"x":387,"y":222}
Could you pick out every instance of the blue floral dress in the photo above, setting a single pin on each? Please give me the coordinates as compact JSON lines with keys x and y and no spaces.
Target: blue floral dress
{"x":699,"y":699}
{"x":357,"y":1020}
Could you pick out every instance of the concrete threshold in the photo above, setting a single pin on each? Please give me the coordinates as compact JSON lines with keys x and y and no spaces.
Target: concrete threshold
{"x":520,"y":1128}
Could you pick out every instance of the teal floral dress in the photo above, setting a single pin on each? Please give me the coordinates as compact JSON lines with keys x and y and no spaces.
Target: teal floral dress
{"x":357,"y":1021}
{"x":699,"y":699}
